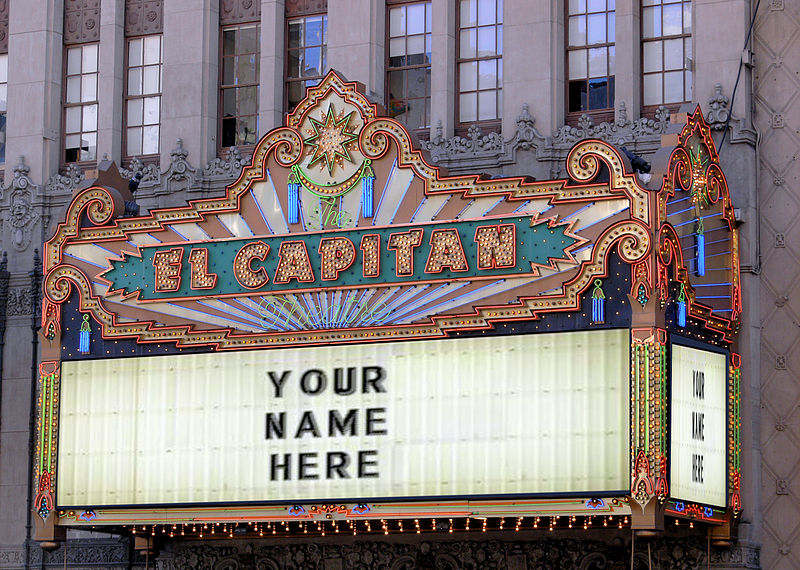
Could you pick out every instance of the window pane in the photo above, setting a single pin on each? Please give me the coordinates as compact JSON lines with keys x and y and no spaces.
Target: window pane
{"x":229,"y":41}
{"x":652,"y":56}
{"x":89,"y":64}
{"x":577,"y":96}
{"x":672,"y":19}
{"x":73,"y":119}
{"x":229,"y":103}
{"x":428,"y":10}
{"x":247,"y":71}
{"x":135,"y":107}
{"x":89,"y":146}
{"x":89,"y":87}
{"x":397,"y":21}
{"x":652,"y":89}
{"x":469,"y":43}
{"x":246,"y":130}
{"x":89,"y":118}
{"x":487,"y":105}
{"x":74,"y":89}
{"x":247,"y":100}
{"x":469,"y":13}
{"x":612,"y":26}
{"x":248,"y":39}
{"x":150,"y":81}
{"x":673,"y":87}
{"x":577,"y":31}
{"x":135,"y":52}
{"x":295,"y":34}
{"x":4,"y":68}
{"x":416,"y":45}
{"x":597,"y":6}
{"x":598,"y":93}
{"x":313,"y":31}
{"x":313,"y":63}
{"x":577,"y":6}
{"x":468,"y":76}
{"x":673,"y":54}
{"x":397,"y":85}
{"x":688,"y":85}
{"x":487,"y":74}
{"x":229,"y":131}
{"x":152,"y":110}
{"x":135,"y":81}
{"x":416,"y":19}
{"x":596,"y":31}
{"x":416,"y":82}
{"x":598,"y":62}
{"x":687,"y":18}
{"x":612,"y":53}
{"x":468,"y":107}
{"x":73,"y":142}
{"x":651,"y":22}
{"x":487,"y":13}
{"x":577,"y":64}
{"x":3,"y":101}
{"x":152,"y":50}
{"x":486,"y":41}
{"x":295,"y":61}
{"x":150,"y":140}
{"x":73,"y":61}
{"x":134,"y":141}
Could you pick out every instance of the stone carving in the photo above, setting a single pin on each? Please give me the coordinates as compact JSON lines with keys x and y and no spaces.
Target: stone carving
{"x":180,"y":175}
{"x":81,"y":21}
{"x":239,"y":11}
{"x":622,"y":130}
{"x":19,"y":302}
{"x":303,"y":7}
{"x":65,"y":183}
{"x":4,"y":26}
{"x":80,"y":553}
{"x":150,"y":174}
{"x":228,"y":168}
{"x":527,"y":137}
{"x":679,"y":552}
{"x":474,"y":143}
{"x":22,"y":216}
{"x":718,"y":113}
{"x":143,"y":17}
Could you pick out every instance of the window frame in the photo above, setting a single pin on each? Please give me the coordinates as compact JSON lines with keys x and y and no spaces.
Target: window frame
{"x":66,"y":105}
{"x":323,"y":47}
{"x":605,"y":114}
{"x":221,"y":87}
{"x":486,"y":125}
{"x":649,"y":110}
{"x":422,"y":132}
{"x":151,"y":157}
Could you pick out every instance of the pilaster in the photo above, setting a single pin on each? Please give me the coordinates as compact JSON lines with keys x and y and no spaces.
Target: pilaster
{"x":443,"y":67}
{"x":271,"y":68}
{"x":110,"y":80}
{"x":628,"y":70}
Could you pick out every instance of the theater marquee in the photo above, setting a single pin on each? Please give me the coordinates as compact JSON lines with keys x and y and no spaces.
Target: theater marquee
{"x":351,"y":332}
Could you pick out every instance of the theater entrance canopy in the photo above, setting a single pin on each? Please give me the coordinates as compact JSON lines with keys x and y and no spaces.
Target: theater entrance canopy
{"x":350,"y":334}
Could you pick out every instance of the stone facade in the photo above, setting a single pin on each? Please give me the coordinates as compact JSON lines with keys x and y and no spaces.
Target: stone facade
{"x":761,"y":130}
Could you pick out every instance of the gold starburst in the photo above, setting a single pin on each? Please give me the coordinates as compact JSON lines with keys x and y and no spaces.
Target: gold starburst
{"x":330,"y":139}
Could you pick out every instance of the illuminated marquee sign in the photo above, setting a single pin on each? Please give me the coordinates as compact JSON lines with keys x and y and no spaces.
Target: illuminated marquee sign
{"x":442,"y":418}
{"x":368,"y":257}
{"x":699,"y":420}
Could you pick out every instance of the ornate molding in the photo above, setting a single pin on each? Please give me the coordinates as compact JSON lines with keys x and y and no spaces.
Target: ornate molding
{"x":22,"y":216}
{"x":143,"y":17}
{"x":620,"y":131}
{"x":19,"y":302}
{"x":81,"y":21}
{"x":224,"y":169}
{"x":239,"y":11}
{"x":180,"y":175}
{"x":718,"y":112}
{"x":4,"y":26}
{"x":150,"y":174}
{"x":65,"y":183}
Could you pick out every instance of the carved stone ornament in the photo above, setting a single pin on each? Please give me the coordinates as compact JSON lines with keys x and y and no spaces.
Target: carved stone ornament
{"x":150,"y":174}
{"x":4,"y":26}
{"x":143,"y":17}
{"x":81,"y":21}
{"x":718,"y":113}
{"x":224,"y":168}
{"x":19,"y":302}
{"x":621,"y":131}
{"x":65,"y":183}
{"x":239,"y":11}
{"x":180,"y":175}
{"x":22,"y":217}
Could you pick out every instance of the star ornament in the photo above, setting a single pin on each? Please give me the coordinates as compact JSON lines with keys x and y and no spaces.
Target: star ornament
{"x":330,"y":139}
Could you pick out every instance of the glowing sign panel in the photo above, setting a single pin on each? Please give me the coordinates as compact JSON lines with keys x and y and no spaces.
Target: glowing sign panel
{"x":528,"y":414}
{"x":698,"y":403}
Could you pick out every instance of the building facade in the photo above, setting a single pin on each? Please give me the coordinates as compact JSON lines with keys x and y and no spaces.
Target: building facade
{"x":178,"y":94}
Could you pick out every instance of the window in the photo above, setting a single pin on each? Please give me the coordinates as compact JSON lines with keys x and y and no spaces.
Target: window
{"x":590,"y":55}
{"x":666,"y":51}
{"x":409,"y":69}
{"x":143,"y":96}
{"x":480,"y":60}
{"x":3,"y":105}
{"x":80,"y":104}
{"x":307,"y":56}
{"x":239,"y":86}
